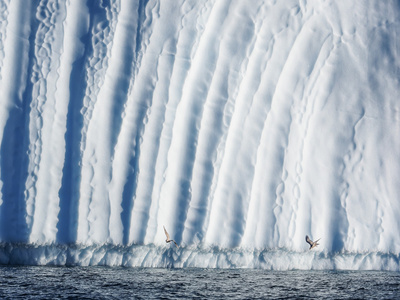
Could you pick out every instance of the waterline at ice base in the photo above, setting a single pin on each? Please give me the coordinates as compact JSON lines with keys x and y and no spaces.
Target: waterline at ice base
{"x":240,"y":126}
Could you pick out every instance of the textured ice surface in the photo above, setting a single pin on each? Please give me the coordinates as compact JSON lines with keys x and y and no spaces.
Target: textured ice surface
{"x":236,"y":124}
{"x":188,"y":257}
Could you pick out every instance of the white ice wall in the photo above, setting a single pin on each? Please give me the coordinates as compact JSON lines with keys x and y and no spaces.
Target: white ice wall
{"x":232,"y":123}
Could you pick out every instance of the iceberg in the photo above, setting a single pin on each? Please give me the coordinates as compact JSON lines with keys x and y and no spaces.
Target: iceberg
{"x":240,"y":126}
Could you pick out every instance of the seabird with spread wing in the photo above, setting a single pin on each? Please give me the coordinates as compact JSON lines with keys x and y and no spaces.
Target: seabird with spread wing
{"x":168,"y":238}
{"x":312,"y":244}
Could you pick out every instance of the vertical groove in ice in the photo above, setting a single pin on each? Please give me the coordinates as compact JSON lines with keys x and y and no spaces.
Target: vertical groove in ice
{"x":14,"y":72}
{"x":47,"y":146}
{"x":98,"y":124}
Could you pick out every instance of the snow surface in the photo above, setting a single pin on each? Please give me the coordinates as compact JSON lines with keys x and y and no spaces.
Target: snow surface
{"x":241,"y":126}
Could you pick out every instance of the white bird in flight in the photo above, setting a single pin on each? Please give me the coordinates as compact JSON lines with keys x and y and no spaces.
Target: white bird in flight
{"x":168,"y":238}
{"x":312,"y":244}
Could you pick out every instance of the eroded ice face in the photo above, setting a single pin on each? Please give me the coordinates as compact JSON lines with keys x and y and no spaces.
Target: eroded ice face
{"x":233,"y":123}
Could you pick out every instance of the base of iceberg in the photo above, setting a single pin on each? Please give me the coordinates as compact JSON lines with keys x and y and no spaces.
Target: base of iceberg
{"x":193,"y":257}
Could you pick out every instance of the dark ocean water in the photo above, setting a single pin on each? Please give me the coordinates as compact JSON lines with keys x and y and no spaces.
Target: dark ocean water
{"x":27,"y":282}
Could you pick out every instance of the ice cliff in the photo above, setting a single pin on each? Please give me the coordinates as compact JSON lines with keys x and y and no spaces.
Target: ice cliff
{"x":241,"y":126}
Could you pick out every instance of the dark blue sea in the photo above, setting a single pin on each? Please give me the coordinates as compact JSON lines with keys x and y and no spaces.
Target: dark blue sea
{"x":35,"y":282}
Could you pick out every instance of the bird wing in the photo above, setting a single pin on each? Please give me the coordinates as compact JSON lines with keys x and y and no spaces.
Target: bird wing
{"x":317,"y":241}
{"x":166,"y":233}
{"x":308,"y":240}
{"x":176,"y":244}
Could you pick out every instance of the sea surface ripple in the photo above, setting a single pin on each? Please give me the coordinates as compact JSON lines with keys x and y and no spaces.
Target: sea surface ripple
{"x":38,"y":282}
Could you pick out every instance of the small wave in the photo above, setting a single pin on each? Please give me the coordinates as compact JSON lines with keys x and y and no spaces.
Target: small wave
{"x":153,"y":256}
